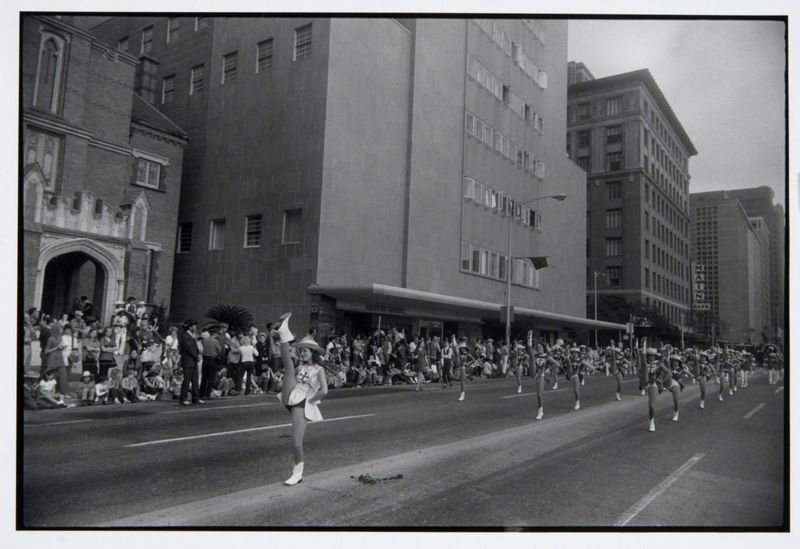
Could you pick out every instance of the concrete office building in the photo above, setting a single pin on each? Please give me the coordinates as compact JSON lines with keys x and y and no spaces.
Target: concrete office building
{"x":101,"y":175}
{"x":733,"y":250}
{"x":357,"y":171}
{"x":624,"y":134}
{"x":759,"y":202}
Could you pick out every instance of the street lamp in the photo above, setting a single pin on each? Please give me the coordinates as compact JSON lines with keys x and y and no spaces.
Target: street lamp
{"x":560,"y":198}
{"x":596,"y":274}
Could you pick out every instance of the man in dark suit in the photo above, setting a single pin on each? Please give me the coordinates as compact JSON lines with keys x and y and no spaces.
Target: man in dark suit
{"x":190,"y":356}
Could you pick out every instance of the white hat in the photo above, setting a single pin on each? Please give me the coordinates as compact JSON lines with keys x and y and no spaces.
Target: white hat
{"x":309,"y":343}
{"x":86,"y":373}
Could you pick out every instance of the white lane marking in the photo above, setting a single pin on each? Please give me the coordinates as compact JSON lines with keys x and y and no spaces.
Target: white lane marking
{"x":778,"y":390}
{"x":533,"y":394}
{"x":657,"y":491}
{"x":222,"y":433}
{"x":752,"y":412}
{"x":631,"y":381}
{"x":55,"y":423}
{"x":207,"y":408}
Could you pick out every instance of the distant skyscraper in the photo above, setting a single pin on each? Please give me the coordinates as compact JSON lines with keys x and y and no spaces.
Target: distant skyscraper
{"x":759,"y":202}
{"x":623,"y":133}
{"x":733,"y":251}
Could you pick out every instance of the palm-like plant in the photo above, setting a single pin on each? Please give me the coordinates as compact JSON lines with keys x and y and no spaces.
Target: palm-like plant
{"x":238,"y":318}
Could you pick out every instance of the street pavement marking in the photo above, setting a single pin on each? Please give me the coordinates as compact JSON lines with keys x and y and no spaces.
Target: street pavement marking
{"x":56,"y":423}
{"x":222,"y":433}
{"x":752,"y":412}
{"x":207,"y":408}
{"x":778,"y":390}
{"x":533,"y":394}
{"x":657,"y":491}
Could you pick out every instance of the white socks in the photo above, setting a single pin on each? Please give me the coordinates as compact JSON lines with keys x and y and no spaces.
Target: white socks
{"x":297,"y":475}
{"x":283,"y":329}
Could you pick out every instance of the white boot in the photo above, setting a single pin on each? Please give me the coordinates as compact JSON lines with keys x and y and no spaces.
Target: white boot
{"x":519,"y":389}
{"x":540,"y":415}
{"x":652,"y":425}
{"x":675,"y":416}
{"x":555,"y":385}
{"x":461,"y":397}
{"x":297,"y":475}
{"x":720,"y":397}
{"x":643,"y":392}
{"x":618,"y":397}
{"x":577,"y":405}
{"x":702,"y":404}
{"x":283,"y":329}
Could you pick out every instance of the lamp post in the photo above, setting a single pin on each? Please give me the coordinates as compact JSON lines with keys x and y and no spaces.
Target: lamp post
{"x":560,"y":198}
{"x":596,"y":274}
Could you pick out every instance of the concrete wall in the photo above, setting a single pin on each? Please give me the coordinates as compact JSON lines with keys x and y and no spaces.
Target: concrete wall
{"x":366,"y":145}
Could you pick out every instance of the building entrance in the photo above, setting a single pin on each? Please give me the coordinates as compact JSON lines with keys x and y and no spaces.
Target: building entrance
{"x":69,"y":276}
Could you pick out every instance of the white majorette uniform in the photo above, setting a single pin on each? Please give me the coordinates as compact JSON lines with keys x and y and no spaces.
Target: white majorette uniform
{"x":308,"y":385}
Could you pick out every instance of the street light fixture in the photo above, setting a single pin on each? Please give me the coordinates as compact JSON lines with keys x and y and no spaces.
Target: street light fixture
{"x":596,"y":274}
{"x":560,"y":197}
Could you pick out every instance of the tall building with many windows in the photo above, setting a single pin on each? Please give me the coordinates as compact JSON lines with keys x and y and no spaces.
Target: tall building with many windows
{"x":101,"y":175}
{"x":731,"y":249}
{"x":365,"y":172}
{"x":624,"y":134}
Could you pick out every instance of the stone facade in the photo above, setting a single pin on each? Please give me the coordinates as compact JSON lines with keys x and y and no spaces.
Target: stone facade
{"x":82,"y":141}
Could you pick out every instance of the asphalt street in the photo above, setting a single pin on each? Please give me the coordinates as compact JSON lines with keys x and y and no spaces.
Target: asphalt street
{"x":390,"y":457}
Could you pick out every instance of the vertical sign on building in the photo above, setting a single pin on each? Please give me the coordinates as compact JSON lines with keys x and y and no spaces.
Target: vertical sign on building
{"x":699,"y":299}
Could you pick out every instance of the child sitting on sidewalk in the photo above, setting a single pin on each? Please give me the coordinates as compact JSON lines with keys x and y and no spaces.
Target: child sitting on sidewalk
{"x":86,"y":389}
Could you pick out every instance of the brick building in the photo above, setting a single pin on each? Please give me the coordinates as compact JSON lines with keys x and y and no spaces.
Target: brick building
{"x":732,"y":249}
{"x":624,"y":134}
{"x":101,"y":174}
{"x":357,"y":171}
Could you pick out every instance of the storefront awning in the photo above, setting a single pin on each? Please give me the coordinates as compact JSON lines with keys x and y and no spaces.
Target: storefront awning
{"x":381,"y":298}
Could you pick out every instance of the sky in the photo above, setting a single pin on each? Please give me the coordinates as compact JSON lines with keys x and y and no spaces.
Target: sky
{"x":724,"y":79}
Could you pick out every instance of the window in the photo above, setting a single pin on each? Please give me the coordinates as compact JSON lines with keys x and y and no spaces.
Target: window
{"x":501,"y":267}
{"x":465,"y":256}
{"x":45,"y":149}
{"x":148,"y":173}
{"x":252,"y":231}
{"x":613,"y":105}
{"x":292,"y":225}
{"x":614,"y":189}
{"x":198,"y":80}
{"x":646,"y":221}
{"x":168,"y":89}
{"x":614,"y":161}
{"x":302,"y":42}
{"x":535,"y":220}
{"x":123,"y":44}
{"x":173,"y":26}
{"x":216,"y":236}
{"x":613,"y":218}
{"x":476,"y":260}
{"x":646,"y":249}
{"x":583,"y":140}
{"x":469,"y":187}
{"x":184,"y":238}
{"x":613,"y":247}
{"x":229,"y":67}
{"x":614,"y":276}
{"x":49,"y":74}
{"x":584,"y":163}
{"x":147,"y":40}
{"x":200,"y":23}
{"x":584,"y":111}
{"x":614,"y":134}
{"x":264,"y":56}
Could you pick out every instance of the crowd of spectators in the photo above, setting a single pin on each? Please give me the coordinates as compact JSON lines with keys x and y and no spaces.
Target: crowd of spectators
{"x":131,"y":360}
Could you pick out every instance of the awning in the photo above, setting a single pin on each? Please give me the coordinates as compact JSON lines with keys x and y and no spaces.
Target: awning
{"x":381,"y":298}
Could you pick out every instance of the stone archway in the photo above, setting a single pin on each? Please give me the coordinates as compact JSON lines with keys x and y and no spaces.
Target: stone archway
{"x":108,"y":265}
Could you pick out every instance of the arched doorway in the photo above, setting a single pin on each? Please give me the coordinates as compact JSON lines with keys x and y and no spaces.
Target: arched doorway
{"x":69,"y":276}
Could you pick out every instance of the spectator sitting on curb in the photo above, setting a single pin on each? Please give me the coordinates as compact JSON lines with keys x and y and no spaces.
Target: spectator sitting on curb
{"x":33,"y":398}
{"x":47,"y":387}
{"x":154,"y":385}
{"x":223,"y":385}
{"x":130,"y":386}
{"x":86,"y":389}
{"x":174,"y":385}
{"x":101,"y":392}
